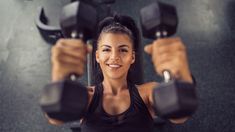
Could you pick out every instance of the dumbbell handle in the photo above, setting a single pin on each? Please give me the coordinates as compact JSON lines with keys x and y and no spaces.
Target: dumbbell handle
{"x":166,"y":73}
{"x":73,"y":76}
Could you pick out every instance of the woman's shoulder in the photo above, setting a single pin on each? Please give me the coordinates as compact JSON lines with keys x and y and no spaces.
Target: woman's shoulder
{"x":145,"y":89}
{"x":146,"y":86}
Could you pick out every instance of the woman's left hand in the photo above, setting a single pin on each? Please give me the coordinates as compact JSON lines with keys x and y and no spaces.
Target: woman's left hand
{"x":170,"y":54}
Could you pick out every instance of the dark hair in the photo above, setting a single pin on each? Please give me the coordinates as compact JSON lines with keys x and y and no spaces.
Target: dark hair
{"x":116,"y":24}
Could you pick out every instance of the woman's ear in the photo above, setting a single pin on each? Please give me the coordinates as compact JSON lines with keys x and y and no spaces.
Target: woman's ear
{"x":133,"y":57}
{"x":97,"y":57}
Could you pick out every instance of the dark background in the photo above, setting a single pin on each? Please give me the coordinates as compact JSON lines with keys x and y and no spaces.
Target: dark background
{"x":207,"y":28}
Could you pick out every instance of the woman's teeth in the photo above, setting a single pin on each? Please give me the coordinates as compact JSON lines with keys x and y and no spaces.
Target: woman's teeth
{"x":114,"y":66}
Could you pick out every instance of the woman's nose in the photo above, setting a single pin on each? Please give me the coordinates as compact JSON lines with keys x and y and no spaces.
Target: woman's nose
{"x":115,"y":55}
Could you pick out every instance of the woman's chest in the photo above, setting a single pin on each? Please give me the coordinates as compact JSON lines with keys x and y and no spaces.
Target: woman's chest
{"x":114,"y":105}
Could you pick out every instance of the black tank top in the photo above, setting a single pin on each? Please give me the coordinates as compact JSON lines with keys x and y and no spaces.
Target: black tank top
{"x":135,"y":119}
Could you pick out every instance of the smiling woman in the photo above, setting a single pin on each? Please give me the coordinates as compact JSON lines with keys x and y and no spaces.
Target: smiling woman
{"x":124,"y":28}
{"x":115,"y":102}
{"x":115,"y":55}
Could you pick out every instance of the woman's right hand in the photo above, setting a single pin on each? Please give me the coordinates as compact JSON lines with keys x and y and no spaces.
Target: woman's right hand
{"x":68,"y":56}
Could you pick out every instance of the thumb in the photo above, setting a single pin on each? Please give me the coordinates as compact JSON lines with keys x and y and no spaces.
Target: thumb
{"x":148,"y":49}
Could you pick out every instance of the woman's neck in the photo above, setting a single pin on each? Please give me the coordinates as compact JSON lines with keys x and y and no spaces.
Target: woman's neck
{"x":114,"y":86}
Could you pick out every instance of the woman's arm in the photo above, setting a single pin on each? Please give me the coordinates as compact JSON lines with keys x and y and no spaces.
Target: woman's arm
{"x":169,"y":54}
{"x":68,"y":56}
{"x":146,"y":92}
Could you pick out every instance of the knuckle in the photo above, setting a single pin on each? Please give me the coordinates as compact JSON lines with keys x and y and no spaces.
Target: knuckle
{"x":53,"y":49}
{"x":160,"y":41}
{"x":79,"y":43}
{"x":178,"y":39}
{"x":180,"y":45}
{"x":57,"y":54}
{"x":81,"y":56}
{"x":60,"y":41}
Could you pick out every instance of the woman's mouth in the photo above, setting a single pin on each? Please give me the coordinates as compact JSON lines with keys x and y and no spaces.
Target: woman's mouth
{"x":114,"y":65}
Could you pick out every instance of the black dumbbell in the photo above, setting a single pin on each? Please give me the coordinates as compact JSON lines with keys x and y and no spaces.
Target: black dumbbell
{"x":78,"y":20}
{"x":172,"y":98}
{"x":67,"y":100}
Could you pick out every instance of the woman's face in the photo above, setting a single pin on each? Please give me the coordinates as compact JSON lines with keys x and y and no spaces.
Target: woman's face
{"x":115,"y":54}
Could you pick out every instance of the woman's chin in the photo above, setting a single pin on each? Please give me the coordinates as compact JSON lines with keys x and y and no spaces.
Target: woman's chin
{"x":115,"y":76}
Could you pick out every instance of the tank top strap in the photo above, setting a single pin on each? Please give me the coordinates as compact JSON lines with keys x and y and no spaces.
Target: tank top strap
{"x":138,"y":103}
{"x":95,"y":99}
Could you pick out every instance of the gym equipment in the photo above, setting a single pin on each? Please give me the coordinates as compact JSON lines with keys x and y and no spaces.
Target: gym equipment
{"x":172,"y":98}
{"x":67,"y":100}
{"x":51,"y":33}
{"x":78,"y":20}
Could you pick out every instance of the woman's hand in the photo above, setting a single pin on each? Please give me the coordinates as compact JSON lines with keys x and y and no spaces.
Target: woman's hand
{"x":170,"y":54}
{"x":68,"y":56}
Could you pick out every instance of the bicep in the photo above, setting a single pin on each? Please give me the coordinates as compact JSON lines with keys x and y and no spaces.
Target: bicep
{"x":146,"y":93}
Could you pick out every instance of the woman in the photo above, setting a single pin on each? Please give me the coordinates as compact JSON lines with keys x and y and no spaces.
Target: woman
{"x":115,"y":103}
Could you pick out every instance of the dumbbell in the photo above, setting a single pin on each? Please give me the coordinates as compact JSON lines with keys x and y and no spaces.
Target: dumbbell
{"x":67,"y":100}
{"x":172,"y":98}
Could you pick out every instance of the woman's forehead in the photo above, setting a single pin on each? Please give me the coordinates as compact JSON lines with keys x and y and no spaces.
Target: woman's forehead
{"x":114,"y":39}
{"x":116,"y":45}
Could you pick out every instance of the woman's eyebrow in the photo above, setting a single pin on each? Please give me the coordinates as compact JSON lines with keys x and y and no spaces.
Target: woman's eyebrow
{"x":104,"y":45}
{"x":120,"y":46}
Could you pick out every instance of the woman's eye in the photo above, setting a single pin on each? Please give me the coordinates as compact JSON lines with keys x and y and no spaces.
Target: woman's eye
{"x":106,"y":50}
{"x":123,"y":50}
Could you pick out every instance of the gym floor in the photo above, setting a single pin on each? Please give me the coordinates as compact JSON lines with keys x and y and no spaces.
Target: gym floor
{"x":206,"y":27}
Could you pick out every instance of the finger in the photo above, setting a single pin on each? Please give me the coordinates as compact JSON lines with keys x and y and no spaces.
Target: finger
{"x":57,"y":52}
{"x":78,"y":54}
{"x":148,"y":49}
{"x":58,"y":60}
{"x":163,"y":58}
{"x":59,"y":74}
{"x":170,"y":48}
{"x":173,"y":64}
{"x":169,"y":56}
{"x":173,"y":69}
{"x":167,"y":41}
{"x":70,"y":43}
{"x":72,"y":60}
{"x":71,"y":67}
